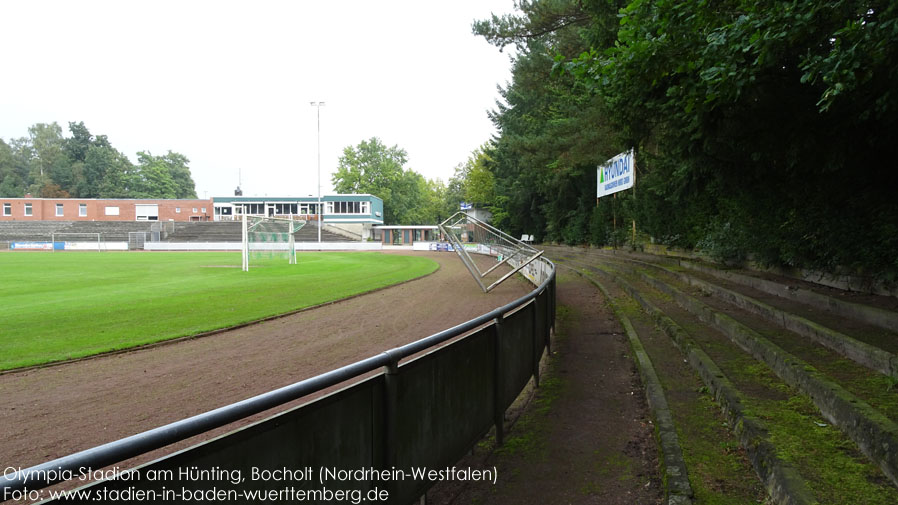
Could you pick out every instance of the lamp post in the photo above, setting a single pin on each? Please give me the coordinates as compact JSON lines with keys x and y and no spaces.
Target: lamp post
{"x":318,"y":105}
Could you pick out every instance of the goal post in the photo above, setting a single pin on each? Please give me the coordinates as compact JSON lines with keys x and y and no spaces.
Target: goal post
{"x":269,"y":240}
{"x":90,"y":241}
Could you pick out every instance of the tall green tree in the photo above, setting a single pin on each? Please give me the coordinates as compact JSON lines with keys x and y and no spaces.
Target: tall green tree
{"x":480,"y":184}
{"x":49,"y":165}
{"x":165,"y":176}
{"x":120,"y":177}
{"x":437,"y":205}
{"x":180,"y":173}
{"x":761,"y":127}
{"x":11,"y":184}
{"x":91,"y":157}
{"x":372,"y":167}
{"x":753,"y":114}
{"x":16,"y":178}
{"x":552,"y":131}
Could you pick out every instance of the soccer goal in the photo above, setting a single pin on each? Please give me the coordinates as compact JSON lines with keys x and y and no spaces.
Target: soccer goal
{"x":77,"y":241}
{"x":269,"y":239}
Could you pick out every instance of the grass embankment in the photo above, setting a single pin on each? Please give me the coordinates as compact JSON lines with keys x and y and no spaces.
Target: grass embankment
{"x":61,"y":306}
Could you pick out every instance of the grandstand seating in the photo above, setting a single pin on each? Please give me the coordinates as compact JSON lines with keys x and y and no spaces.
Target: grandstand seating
{"x":110,"y":231}
{"x":117,"y":231}
{"x":208,"y":231}
{"x":310,"y":234}
{"x":230,"y":231}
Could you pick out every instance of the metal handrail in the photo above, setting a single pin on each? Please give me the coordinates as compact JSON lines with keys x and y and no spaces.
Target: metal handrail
{"x":60,"y":469}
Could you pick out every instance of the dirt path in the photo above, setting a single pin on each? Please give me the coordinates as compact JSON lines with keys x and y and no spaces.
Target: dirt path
{"x":586,"y":436}
{"x":51,"y":412}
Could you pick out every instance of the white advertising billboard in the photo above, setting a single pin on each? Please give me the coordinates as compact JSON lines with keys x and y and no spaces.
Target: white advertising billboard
{"x":616,"y":174}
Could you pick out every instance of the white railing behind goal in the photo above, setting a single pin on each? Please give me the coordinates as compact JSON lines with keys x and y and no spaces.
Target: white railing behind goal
{"x":470,"y":235}
{"x":269,"y":239}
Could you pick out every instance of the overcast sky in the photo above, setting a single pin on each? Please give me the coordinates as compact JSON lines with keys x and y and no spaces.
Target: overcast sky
{"x":228,"y":84}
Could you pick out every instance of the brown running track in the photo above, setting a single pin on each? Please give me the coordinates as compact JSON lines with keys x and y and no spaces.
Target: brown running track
{"x":55,"y":411}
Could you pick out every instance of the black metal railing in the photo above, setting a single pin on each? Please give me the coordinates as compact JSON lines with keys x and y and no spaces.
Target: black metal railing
{"x":426,"y":412}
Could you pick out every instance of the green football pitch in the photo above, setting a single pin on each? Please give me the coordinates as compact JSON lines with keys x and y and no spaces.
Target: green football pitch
{"x":58,"y":306}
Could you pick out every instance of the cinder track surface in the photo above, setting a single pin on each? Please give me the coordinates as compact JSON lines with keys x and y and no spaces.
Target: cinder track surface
{"x":52,"y":412}
{"x":815,"y":425}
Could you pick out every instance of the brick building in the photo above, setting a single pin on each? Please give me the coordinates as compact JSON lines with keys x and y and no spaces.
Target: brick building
{"x":90,"y":209}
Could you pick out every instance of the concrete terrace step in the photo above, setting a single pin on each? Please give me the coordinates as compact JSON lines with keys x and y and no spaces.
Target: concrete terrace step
{"x":117,"y":231}
{"x":800,"y":409}
{"x":44,"y":230}
{"x":232,"y":231}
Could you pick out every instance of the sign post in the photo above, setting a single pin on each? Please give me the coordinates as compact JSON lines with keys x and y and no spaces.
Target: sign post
{"x":616,"y":174}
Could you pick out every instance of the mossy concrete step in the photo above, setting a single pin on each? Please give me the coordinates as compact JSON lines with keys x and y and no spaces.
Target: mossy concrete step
{"x":860,"y":352}
{"x":782,"y":481}
{"x":866,"y":478}
{"x":875,"y":435}
{"x":871,"y":315}
{"x":876,"y":316}
{"x":718,"y":470}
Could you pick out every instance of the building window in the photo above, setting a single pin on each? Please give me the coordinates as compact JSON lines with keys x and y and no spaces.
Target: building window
{"x":347,"y":207}
{"x":203,"y":210}
{"x":194,"y":210}
{"x":308,"y":208}
{"x":7,"y":209}
{"x":251,"y":209}
{"x":82,"y":210}
{"x":59,"y":210}
{"x":283,"y":209}
{"x":27,"y":209}
{"x":111,"y":211}
{"x":177,"y":210}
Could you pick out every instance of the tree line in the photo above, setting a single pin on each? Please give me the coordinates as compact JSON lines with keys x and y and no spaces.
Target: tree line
{"x":409,"y":198}
{"x":46,"y":164}
{"x":763,"y":129}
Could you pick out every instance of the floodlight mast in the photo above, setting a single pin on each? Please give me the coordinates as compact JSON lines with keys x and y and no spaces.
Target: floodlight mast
{"x":318,"y":106}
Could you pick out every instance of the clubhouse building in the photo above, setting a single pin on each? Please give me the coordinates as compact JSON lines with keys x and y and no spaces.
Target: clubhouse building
{"x":356,"y":214}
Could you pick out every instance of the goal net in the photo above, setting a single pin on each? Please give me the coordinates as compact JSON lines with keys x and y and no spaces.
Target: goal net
{"x":90,"y":241}
{"x":269,"y":240}
{"x":491,"y":248}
